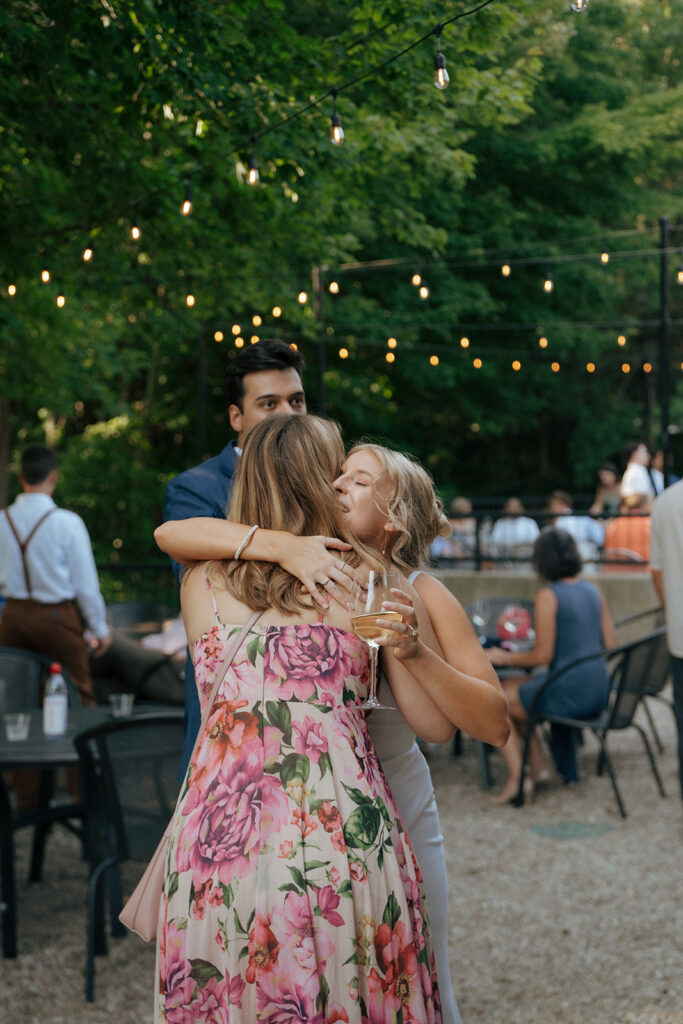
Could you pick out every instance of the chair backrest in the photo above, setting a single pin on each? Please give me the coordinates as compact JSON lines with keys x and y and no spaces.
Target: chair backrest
{"x":639,"y":662}
{"x":22,"y":678}
{"x":130,"y":780}
{"x":138,"y":617}
{"x":640,"y":624}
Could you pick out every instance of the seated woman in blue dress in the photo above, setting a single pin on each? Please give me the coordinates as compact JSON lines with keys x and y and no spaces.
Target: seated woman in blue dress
{"x":571,"y":619}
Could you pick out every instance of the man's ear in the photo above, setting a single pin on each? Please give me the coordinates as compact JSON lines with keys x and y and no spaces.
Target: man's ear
{"x":235,"y":416}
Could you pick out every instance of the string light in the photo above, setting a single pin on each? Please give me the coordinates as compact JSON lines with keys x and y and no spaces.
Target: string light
{"x":218,"y":336}
{"x":543,"y":341}
{"x":276,"y":311}
{"x":190,"y":299}
{"x":254,"y":339}
{"x":555,"y":367}
{"x":336,"y":132}
{"x":135,"y":232}
{"x":679,"y":275}
{"x":548,"y":284}
{"x":294,"y":345}
{"x":516,"y":365}
{"x":302,"y":298}
{"x":433,"y":360}
{"x":343,"y":353}
{"x":604,"y":257}
{"x":334,"y":287}
{"x":590,"y":367}
{"x":87,"y":254}
{"x":239,"y":342}
{"x":625,"y":367}
{"x":579,"y":5}
{"x":236,"y":329}
{"x":186,"y":207}
{"x":416,"y":279}
{"x":423,"y":291}
{"x":464,"y":343}
{"x":647,"y":367}
{"x":390,"y":357}
{"x":252,"y":174}
{"x":441,"y":77}
{"x":621,"y":340}
{"x":506,"y":270}
{"x":61,"y":300}
{"x":391,"y":343}
{"x":477,"y":363}
{"x":11,"y":289}
{"x":256,"y":320}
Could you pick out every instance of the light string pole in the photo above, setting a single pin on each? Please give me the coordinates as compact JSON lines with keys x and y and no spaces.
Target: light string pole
{"x":317,"y":281}
{"x":664,"y":382}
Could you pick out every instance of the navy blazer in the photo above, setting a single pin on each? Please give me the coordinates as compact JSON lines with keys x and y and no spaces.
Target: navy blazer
{"x":203,"y":490}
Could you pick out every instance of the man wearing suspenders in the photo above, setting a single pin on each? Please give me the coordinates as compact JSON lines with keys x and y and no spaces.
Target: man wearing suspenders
{"x":47,"y":569}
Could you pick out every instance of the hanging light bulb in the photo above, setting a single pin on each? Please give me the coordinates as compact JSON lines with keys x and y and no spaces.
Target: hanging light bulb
{"x":61,"y":300}
{"x":391,"y":343}
{"x":302,"y":298}
{"x":190,"y":299}
{"x":218,"y":336}
{"x":506,"y":270}
{"x":464,"y":343}
{"x":548,"y":284}
{"x":135,"y":232}
{"x":186,"y":208}
{"x":253,"y":175}
{"x":621,"y":340}
{"x":441,"y":77}
{"x":11,"y":289}
{"x":423,"y":291}
{"x":590,"y":367}
{"x":256,"y":320}
{"x":276,"y":311}
{"x":87,"y":254}
{"x":604,"y":257}
{"x":334,"y":287}
{"x":416,"y":279}
{"x":337,"y":132}
{"x":343,"y":353}
{"x":679,"y":275}
{"x":579,"y":5}
{"x":433,"y":360}
{"x":45,"y":276}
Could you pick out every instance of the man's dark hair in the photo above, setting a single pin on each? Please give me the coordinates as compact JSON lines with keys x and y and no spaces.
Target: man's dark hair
{"x":556,"y":555}
{"x":37,"y":464}
{"x":564,"y":497}
{"x":267,"y":354}
{"x":627,"y":450}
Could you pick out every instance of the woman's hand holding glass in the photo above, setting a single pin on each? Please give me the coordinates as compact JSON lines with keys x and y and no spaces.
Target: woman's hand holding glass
{"x":405,"y":637}
{"x":373,"y":622}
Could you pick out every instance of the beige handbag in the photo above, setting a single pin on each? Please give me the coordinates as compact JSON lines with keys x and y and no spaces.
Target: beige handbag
{"x":141,"y":911}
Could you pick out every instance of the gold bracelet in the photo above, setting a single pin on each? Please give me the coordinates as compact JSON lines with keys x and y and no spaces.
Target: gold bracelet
{"x":250,"y":533}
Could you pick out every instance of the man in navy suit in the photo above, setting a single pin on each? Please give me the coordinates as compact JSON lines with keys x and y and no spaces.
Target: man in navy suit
{"x":262,"y":380}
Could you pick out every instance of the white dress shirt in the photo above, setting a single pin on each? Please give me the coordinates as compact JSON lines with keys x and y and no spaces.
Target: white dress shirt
{"x":59,"y":556}
{"x":636,"y":480}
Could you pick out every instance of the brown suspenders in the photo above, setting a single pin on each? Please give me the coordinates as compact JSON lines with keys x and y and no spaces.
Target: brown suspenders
{"x":24,"y":544}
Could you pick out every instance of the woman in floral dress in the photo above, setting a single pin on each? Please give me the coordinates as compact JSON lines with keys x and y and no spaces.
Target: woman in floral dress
{"x":292,"y":893}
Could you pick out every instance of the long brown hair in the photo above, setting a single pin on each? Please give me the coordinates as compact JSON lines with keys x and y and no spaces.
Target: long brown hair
{"x":412,"y":506}
{"x":284,"y":482}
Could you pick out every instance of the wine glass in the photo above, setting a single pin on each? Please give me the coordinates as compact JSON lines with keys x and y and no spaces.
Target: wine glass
{"x":480,"y":614}
{"x":367,"y":609}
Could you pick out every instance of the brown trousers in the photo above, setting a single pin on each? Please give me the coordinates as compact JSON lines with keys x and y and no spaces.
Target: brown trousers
{"x":53,"y":630}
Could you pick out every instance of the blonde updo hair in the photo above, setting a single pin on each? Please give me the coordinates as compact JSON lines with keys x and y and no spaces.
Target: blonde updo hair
{"x":284,"y":482}
{"x":412,"y":506}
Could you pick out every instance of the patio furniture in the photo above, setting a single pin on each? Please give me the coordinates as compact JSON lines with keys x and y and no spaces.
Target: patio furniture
{"x":130,"y":780}
{"x":138,"y":618}
{"x":631,"y":668}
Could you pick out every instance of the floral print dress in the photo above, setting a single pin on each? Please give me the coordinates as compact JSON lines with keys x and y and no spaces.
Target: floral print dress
{"x":292,"y":894}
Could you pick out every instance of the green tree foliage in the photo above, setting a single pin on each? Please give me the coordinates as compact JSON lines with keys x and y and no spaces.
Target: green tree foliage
{"x":554,"y":127}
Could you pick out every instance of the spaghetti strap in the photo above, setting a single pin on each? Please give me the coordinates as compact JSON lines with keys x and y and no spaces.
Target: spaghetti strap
{"x":212,"y":596}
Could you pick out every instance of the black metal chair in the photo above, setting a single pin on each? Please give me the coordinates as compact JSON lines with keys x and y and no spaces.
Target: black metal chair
{"x":633,"y":627}
{"x":631,"y":668}
{"x":130,"y":786}
{"x":22,"y":678}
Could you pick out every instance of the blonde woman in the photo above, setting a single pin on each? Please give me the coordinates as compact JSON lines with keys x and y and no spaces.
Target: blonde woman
{"x":389,"y":501}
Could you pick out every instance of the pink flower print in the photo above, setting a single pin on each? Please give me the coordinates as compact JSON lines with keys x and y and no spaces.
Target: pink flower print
{"x":228,"y":731}
{"x":338,"y":841}
{"x":263,"y":948}
{"x":209,"y":1005}
{"x":335,"y":877}
{"x":221,"y":833}
{"x":286,"y":848}
{"x":328,"y":900}
{"x":220,"y":939}
{"x":215,"y":897}
{"x":198,"y":907}
{"x":272,"y":744}
{"x":288,"y":1001}
{"x":274,"y":807}
{"x":212,"y":643}
{"x":307,"y":659}
{"x":357,"y":870}
{"x":235,"y":988}
{"x":304,"y":820}
{"x":309,"y":738}
{"x":397,"y":959}
{"x":329,"y":816}
{"x":336,"y":1014}
{"x":303,"y":948}
{"x":177,"y":984}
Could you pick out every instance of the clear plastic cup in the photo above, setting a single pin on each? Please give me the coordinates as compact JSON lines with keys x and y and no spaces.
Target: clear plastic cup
{"x":121,"y":704}
{"x":17,"y":725}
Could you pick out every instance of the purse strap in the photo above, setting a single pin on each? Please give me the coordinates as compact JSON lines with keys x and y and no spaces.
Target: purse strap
{"x":220,"y":676}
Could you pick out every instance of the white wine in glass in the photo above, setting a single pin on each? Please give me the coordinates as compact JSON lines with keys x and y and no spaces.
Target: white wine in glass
{"x":367,"y":609}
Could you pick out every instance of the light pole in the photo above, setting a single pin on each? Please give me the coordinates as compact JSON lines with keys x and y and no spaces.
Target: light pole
{"x":664,"y":381}
{"x":316,"y":277}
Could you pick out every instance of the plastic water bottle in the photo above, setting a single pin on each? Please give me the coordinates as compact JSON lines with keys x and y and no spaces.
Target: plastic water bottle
{"x":55,"y":703}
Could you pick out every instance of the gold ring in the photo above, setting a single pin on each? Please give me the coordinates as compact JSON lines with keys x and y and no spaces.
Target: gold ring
{"x":413,"y":630}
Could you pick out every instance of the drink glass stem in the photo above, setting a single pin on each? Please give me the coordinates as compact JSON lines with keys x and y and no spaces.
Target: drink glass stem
{"x":372,"y":697}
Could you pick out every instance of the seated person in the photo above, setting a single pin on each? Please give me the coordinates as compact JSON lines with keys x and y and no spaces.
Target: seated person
{"x":588,"y":533}
{"x":152,"y":668}
{"x":607,"y":492}
{"x":462,"y":541}
{"x":630,"y":531}
{"x":512,"y":529}
{"x":636,"y":478}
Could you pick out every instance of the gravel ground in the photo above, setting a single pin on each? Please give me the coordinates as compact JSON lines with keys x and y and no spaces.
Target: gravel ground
{"x":561,"y":913}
